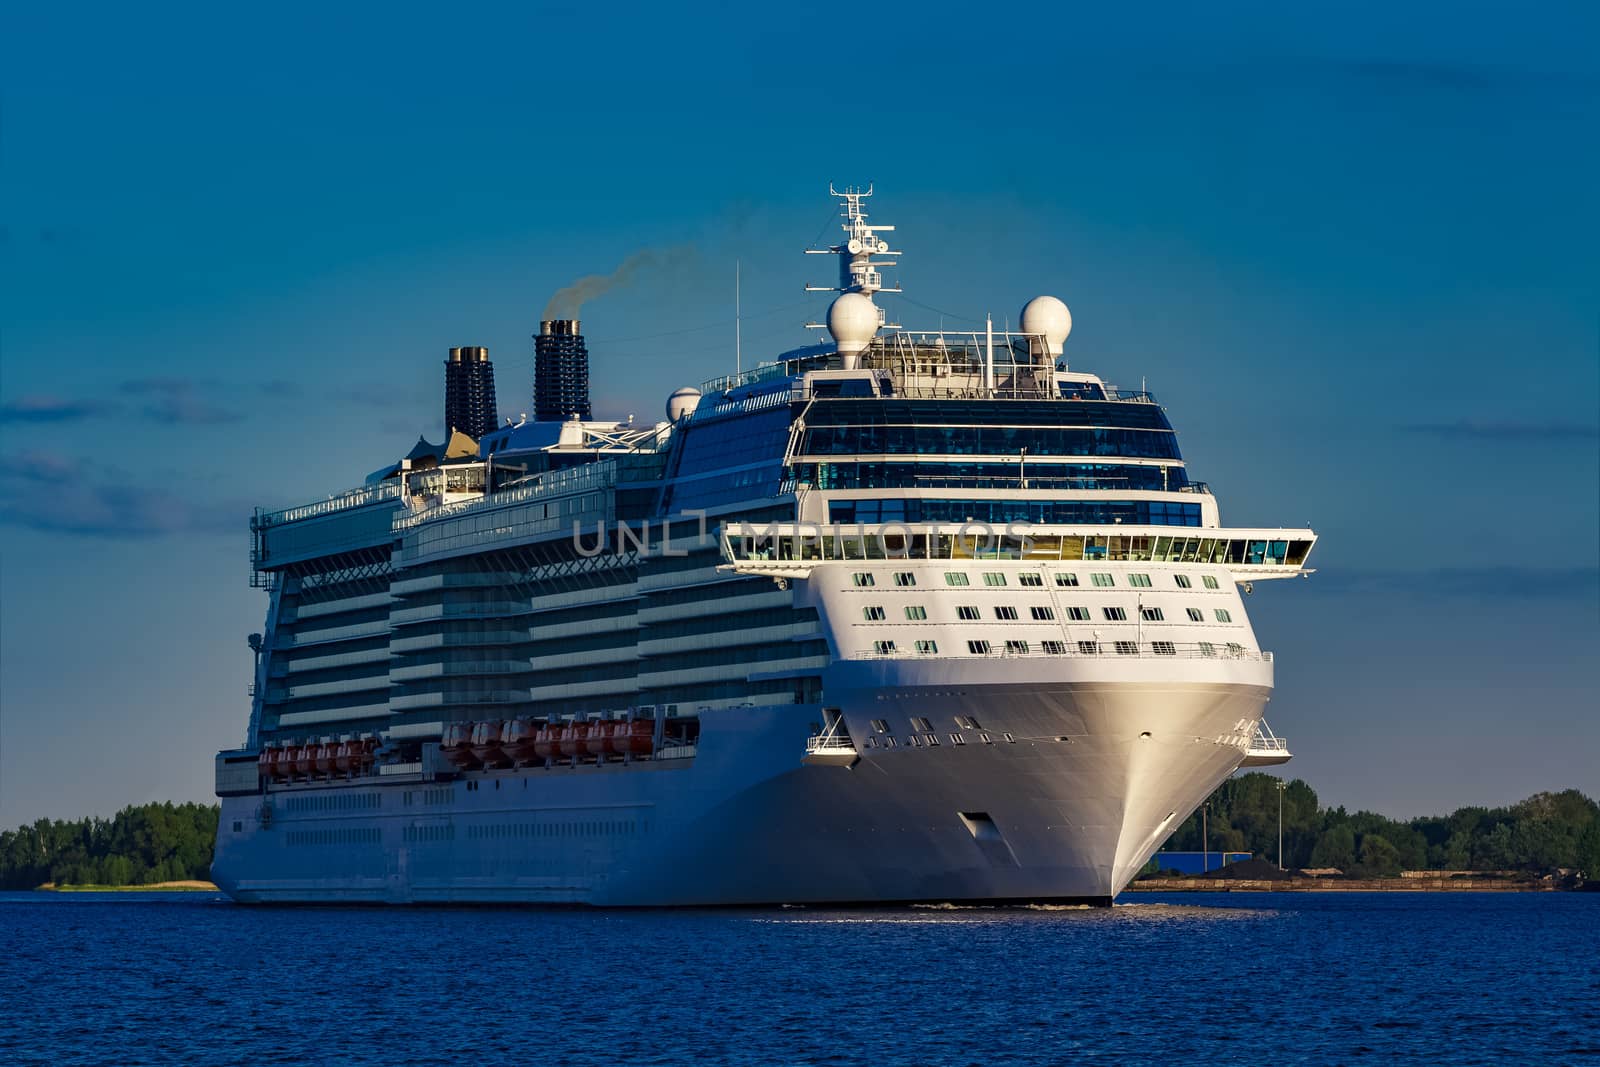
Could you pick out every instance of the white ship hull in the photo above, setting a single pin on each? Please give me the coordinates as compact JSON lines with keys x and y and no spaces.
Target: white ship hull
{"x":1098,"y":773}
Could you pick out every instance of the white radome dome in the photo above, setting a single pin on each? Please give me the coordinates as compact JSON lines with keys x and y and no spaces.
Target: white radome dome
{"x":682,"y":402}
{"x":853,"y":322}
{"x":1047,"y":317}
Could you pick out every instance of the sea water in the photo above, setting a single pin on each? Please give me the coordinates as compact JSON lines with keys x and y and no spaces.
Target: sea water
{"x":1240,"y":977}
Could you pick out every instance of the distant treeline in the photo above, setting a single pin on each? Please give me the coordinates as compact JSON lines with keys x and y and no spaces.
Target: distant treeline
{"x":1546,"y":832}
{"x":139,"y":845}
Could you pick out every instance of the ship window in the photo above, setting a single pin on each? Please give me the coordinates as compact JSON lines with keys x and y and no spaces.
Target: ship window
{"x":1009,"y":738}
{"x":967,"y":722}
{"x":957,"y":739}
{"x":889,"y":742}
{"x":1207,"y":648}
{"x":1235,"y":648}
{"x":1078,"y":614}
{"x":986,"y":739}
{"x":1195,"y":615}
{"x":1103,"y":581}
{"x":1067,"y":579}
{"x":873,"y":614}
{"x":881,"y":725}
{"x":863,"y":579}
{"x":921,"y":724}
{"x":967,"y":611}
{"x":871,"y":743}
{"x":1210,"y":582}
{"x":1030,"y":579}
{"x":978,"y":648}
{"x":1016,"y":648}
{"x":1055,"y":648}
{"x":904,"y":578}
{"x":1005,"y":611}
{"x":883,"y":648}
{"x":1126,"y":648}
{"x":1224,"y":615}
{"x":933,"y":740}
{"x":1043,"y":614}
{"x":955,"y":578}
{"x":1089,"y":648}
{"x":916,"y":742}
{"x":1141,"y":581}
{"x":1164,"y":648}
{"x":993,"y":578}
{"x":1183,"y":581}
{"x":928,"y":648}
{"x":916,"y":612}
{"x":1151,"y":614}
{"x":1114,"y":614}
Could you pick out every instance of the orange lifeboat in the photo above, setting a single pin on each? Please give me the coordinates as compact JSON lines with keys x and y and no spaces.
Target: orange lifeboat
{"x":598,"y":743}
{"x":634,"y":738}
{"x":486,"y":743}
{"x":325,"y":758}
{"x":305,"y":757}
{"x":282,"y":763}
{"x":264,"y":763}
{"x":573,"y":738}
{"x":517,"y":741}
{"x":547,"y":742}
{"x":353,"y":757}
{"x":457,"y":745}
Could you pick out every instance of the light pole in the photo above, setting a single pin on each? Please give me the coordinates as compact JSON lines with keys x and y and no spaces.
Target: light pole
{"x":1281,"y":788}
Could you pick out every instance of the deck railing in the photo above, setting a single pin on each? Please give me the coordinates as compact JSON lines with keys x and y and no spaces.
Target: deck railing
{"x":351,"y":498}
{"x":1103,"y":649}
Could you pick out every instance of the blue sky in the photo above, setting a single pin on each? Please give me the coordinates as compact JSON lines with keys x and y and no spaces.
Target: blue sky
{"x":1351,"y":247}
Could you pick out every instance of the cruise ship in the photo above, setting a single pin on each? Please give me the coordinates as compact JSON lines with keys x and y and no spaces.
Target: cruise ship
{"x":896,"y":617}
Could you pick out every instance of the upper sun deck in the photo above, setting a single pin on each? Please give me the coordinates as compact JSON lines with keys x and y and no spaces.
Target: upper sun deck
{"x":932,"y":366}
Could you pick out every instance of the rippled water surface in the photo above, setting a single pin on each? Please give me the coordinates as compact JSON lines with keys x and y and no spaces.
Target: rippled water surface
{"x":1269,"y":978}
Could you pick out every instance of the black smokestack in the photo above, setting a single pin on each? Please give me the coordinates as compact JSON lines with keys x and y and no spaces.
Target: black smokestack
{"x":469,"y":404}
{"x":560,"y":372}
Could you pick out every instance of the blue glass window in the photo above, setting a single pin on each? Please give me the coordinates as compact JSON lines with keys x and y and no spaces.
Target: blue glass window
{"x":709,"y":456}
{"x":989,"y":475}
{"x":1044,"y":428}
{"x":1042,"y":512}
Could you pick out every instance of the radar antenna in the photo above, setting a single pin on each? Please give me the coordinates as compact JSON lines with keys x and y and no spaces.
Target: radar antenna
{"x":858,"y":271}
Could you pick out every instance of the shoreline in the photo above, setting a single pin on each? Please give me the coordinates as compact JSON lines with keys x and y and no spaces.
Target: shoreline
{"x":185,"y":886}
{"x":1338,"y":885}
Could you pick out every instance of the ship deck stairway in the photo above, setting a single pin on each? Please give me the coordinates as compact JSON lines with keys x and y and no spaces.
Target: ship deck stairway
{"x":833,"y":747}
{"x":1267,"y":749}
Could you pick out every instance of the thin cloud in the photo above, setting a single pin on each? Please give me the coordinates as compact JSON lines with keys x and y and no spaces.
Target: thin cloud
{"x":281,"y":389}
{"x":179,"y":401}
{"x":1507,"y":432}
{"x":41,"y":408}
{"x":55,"y":494}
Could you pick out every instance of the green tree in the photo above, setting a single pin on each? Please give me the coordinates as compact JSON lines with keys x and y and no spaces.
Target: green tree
{"x":1588,"y":852}
{"x":1335,"y":848}
{"x":1379,"y":857}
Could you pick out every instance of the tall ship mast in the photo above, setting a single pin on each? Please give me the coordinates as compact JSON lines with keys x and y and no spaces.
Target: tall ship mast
{"x":900,"y":616}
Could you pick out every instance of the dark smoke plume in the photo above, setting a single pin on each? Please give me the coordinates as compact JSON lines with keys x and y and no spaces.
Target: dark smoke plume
{"x":568,"y":301}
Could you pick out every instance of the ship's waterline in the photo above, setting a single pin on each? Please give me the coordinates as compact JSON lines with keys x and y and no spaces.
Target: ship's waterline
{"x":899,"y":617}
